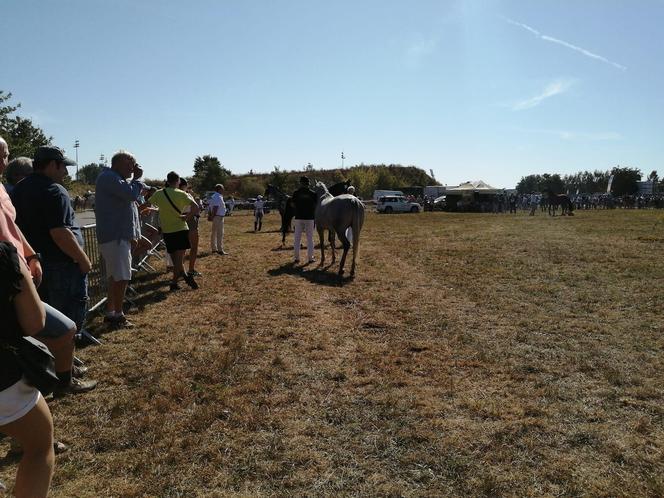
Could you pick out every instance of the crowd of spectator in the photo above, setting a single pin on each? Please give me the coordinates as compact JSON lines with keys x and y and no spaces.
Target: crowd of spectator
{"x":44,"y":279}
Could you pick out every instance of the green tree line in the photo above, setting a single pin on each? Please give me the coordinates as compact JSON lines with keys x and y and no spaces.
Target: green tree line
{"x":585,"y":182}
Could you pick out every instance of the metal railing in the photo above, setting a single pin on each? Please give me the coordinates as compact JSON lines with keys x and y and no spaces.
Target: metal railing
{"x":97,"y":279}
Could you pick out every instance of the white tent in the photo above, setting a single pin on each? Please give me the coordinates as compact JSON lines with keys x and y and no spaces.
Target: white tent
{"x":478,"y":186}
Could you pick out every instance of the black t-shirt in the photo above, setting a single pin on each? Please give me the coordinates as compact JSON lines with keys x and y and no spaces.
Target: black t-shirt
{"x":305,"y":200}
{"x":10,"y":332}
{"x":41,"y":204}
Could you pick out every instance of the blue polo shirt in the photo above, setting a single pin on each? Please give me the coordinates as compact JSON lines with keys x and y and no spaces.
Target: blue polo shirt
{"x":41,"y":205}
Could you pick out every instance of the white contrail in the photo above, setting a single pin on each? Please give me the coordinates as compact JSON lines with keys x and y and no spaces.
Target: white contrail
{"x":554,"y":88}
{"x":583,"y":51}
{"x":565,"y":44}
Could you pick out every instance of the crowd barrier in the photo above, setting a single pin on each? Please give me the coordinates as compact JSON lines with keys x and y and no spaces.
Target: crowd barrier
{"x":97,"y":278}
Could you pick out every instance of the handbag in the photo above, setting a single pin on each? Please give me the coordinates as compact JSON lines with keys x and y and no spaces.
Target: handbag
{"x":36,"y":362}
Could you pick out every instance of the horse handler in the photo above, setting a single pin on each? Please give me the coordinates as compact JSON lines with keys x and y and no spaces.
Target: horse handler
{"x":304,"y":202}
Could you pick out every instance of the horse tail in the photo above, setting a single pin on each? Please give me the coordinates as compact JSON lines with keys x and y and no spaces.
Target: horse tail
{"x":356,"y":224}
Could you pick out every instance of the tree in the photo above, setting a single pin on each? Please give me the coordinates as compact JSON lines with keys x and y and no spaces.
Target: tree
{"x":89,"y":173}
{"x":625,"y":180}
{"x":22,"y":136}
{"x":208,"y":172}
{"x":529,"y":184}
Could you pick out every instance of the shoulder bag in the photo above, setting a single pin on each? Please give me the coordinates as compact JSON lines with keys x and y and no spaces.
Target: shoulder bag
{"x":36,"y":363}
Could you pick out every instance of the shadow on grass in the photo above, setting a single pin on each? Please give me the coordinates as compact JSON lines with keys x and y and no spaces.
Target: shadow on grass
{"x":149,"y":288}
{"x":314,"y":274}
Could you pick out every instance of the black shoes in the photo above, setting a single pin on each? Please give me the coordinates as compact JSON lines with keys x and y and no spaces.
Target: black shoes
{"x":189,"y":279}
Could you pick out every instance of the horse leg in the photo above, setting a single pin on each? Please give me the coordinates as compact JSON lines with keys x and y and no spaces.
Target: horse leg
{"x":356,"y":243}
{"x":332,"y":240}
{"x":346,"y":246}
{"x":321,"y":237}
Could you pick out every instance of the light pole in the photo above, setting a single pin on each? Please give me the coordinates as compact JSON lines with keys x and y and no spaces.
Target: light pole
{"x":76,"y":145}
{"x":102,"y":160}
{"x":342,"y":159}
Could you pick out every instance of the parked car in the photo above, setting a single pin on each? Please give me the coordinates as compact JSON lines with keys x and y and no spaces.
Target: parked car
{"x":396,"y":204}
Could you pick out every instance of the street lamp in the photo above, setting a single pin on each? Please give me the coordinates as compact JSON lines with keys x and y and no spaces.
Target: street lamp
{"x":76,"y":145}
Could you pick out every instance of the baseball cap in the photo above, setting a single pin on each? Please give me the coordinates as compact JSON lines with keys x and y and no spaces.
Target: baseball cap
{"x":48,"y":153}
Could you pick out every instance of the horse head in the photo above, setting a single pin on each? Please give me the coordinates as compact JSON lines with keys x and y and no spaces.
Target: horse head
{"x":321,"y":190}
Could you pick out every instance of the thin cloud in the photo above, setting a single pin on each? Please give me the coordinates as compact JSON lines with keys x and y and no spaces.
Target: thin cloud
{"x":577,"y":135}
{"x":551,"y":39}
{"x":552,"y":89}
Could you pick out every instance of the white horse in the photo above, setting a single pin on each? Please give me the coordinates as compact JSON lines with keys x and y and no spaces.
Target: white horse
{"x":336,"y":214}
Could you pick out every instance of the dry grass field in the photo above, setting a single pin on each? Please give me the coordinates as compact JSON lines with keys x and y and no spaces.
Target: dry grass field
{"x":473,"y":355}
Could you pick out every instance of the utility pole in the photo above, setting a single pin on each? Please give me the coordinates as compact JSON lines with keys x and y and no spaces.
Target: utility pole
{"x":342,"y":159}
{"x":76,"y":145}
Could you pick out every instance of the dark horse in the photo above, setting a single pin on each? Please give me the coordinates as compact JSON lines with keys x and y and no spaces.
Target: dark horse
{"x":285,"y":208}
{"x":562,"y":200}
{"x":339,"y":188}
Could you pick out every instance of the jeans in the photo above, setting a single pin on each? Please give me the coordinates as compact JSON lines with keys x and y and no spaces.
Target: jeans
{"x":66,"y":289}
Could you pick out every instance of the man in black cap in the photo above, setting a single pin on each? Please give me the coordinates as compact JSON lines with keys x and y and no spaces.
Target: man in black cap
{"x":45,"y":216}
{"x":304,"y":201}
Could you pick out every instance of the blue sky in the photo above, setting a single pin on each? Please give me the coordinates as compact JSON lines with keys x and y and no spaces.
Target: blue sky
{"x":489,"y":90}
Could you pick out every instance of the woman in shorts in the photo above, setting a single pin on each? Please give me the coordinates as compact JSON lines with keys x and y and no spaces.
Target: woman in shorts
{"x":24,"y":414}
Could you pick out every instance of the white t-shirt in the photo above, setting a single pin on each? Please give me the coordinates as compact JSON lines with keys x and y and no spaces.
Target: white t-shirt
{"x":217,"y":200}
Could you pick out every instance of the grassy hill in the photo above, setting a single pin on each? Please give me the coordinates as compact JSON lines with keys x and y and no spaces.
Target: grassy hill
{"x":365,"y":178}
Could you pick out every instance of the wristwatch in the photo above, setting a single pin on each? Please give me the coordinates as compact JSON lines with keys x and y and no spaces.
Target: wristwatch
{"x":36,"y":256}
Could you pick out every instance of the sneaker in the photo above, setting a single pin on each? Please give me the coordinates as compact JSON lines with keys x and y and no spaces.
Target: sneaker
{"x":121,"y":322}
{"x":194,"y":273}
{"x":223,"y":253}
{"x":174,"y":287}
{"x":190,"y":281}
{"x":78,"y":371}
{"x":16,"y":449}
{"x":296,"y":261}
{"x":312,"y":260}
{"x":75,"y":386}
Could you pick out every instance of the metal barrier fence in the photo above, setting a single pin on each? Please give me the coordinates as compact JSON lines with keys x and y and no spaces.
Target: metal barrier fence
{"x":97,"y":279}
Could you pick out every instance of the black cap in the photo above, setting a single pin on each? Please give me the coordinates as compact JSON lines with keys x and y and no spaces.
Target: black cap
{"x":304,"y":180}
{"x":48,"y":153}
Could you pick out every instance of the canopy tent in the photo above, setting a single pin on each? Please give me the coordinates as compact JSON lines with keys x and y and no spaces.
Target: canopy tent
{"x":478,"y":187}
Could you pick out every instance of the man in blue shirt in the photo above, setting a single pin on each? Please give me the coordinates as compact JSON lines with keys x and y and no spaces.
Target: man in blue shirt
{"x":45,"y":216}
{"x":118,"y":227}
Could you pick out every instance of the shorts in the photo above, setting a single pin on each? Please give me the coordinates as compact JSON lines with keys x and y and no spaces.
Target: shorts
{"x":177,"y":241}
{"x":117,"y":258}
{"x":56,"y":325}
{"x":193,"y":223}
{"x":16,"y":401}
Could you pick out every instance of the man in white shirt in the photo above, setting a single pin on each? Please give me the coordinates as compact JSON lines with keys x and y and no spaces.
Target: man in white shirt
{"x":217,"y":211}
{"x":259,"y":210}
